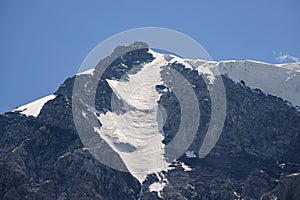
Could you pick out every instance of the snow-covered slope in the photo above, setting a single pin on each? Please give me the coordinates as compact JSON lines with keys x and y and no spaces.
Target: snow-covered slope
{"x":276,"y":80}
{"x":281,"y":80}
{"x":34,"y":108}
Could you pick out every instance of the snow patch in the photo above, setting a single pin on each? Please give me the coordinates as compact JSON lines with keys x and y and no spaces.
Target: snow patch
{"x":237,"y":195}
{"x":294,"y":174}
{"x":156,"y":187}
{"x":190,"y":154}
{"x":185,"y":167}
{"x":87,"y":72}
{"x":123,"y":65}
{"x":34,"y":108}
{"x":84,"y":114}
{"x":159,"y":185}
{"x":282,"y":165}
{"x":64,"y":155}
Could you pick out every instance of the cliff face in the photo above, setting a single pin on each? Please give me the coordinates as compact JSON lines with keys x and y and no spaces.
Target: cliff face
{"x":256,"y":156}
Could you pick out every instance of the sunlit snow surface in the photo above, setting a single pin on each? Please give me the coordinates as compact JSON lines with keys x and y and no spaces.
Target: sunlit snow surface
{"x":87,"y":72}
{"x":281,"y":80}
{"x":159,"y":185}
{"x":34,"y":108}
{"x":135,"y":135}
{"x":278,"y":80}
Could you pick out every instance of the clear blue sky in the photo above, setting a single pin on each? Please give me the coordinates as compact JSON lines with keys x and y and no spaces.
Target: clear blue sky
{"x":44,"y":42}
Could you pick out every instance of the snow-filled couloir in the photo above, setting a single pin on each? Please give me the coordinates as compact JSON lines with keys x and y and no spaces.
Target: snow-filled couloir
{"x":135,"y":135}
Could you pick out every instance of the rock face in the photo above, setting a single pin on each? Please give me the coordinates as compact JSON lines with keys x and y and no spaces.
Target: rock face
{"x":44,"y":159}
{"x":256,"y":157}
